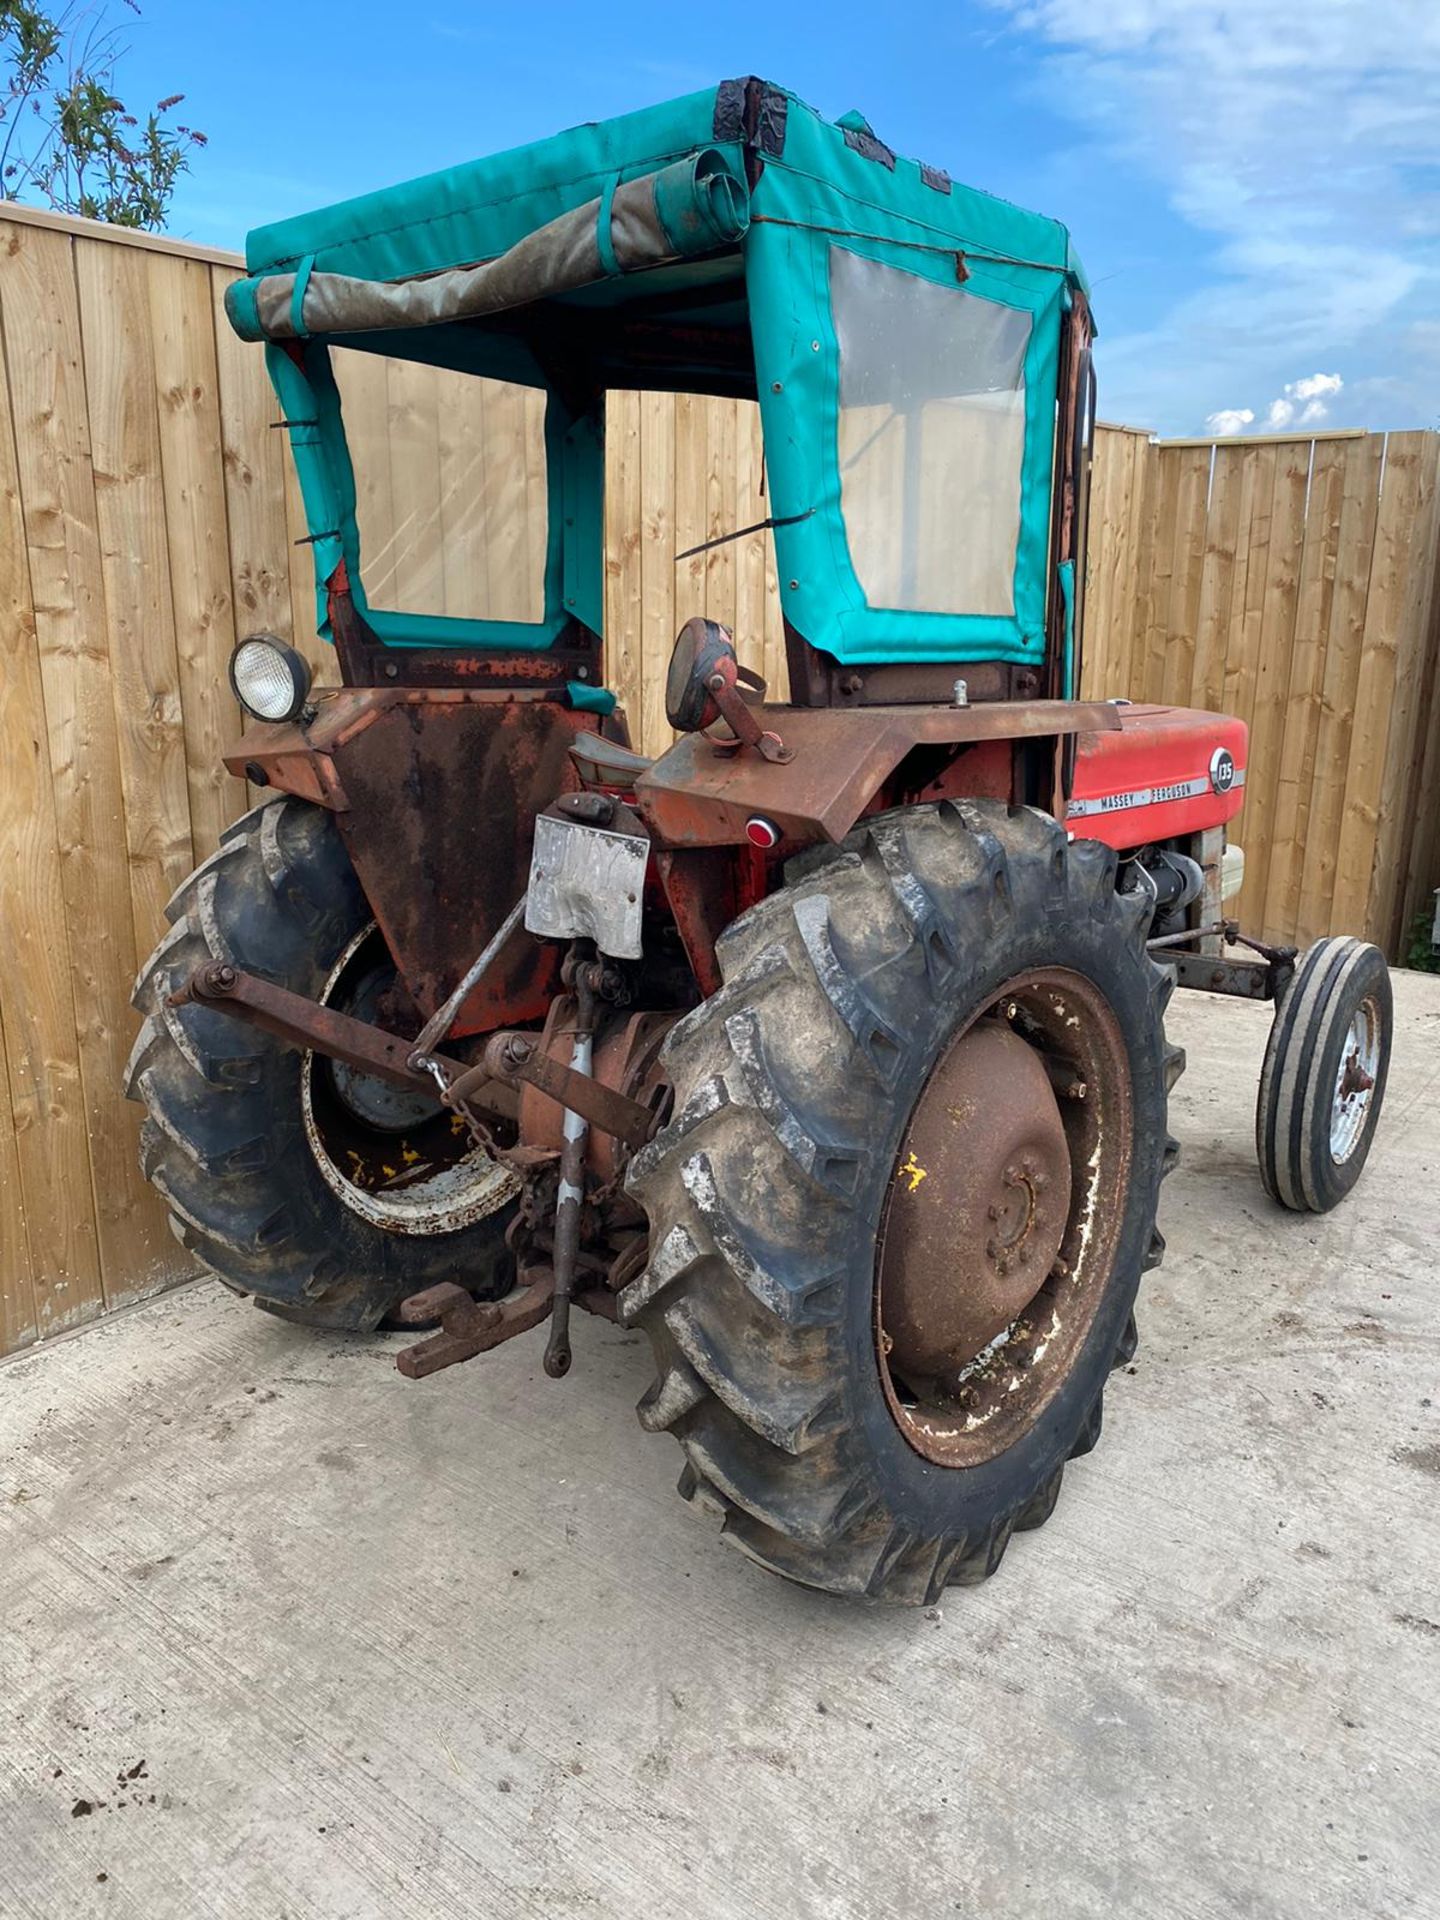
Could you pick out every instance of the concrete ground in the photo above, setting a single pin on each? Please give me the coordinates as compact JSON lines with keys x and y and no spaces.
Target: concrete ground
{"x":283,"y":1635}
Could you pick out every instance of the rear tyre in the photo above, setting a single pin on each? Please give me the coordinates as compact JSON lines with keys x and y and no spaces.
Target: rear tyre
{"x":824,"y":1381}
{"x":326,"y":1194}
{"x":1323,"y":1081}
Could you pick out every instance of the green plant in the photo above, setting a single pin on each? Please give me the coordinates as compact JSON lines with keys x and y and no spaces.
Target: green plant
{"x":65,"y":134}
{"x":1421,"y":953}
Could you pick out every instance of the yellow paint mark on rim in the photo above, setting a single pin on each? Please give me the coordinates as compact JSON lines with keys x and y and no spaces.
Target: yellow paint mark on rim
{"x":914,"y":1172}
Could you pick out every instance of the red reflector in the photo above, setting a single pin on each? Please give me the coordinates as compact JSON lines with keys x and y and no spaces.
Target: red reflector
{"x":760,"y":832}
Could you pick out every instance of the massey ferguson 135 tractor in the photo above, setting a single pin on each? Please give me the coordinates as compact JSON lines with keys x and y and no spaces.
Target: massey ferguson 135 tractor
{"x":828,"y":1048}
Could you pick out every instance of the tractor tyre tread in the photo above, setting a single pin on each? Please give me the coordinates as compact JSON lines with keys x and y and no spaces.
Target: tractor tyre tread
{"x":756,"y":1188}
{"x":223,"y":1138}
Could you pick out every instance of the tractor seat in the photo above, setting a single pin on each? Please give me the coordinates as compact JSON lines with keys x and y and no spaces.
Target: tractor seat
{"x":605,"y":763}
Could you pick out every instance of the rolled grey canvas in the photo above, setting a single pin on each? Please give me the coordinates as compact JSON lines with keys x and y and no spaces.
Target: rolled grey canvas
{"x":692,"y":206}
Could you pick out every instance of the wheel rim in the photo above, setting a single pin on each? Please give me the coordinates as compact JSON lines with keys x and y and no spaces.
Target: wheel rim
{"x":1003,"y":1217}
{"x":1354,"y":1090}
{"x":398,"y":1160}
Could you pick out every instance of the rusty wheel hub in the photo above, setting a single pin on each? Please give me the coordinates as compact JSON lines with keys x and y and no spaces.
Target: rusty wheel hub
{"x":979,"y":1206}
{"x":1004,"y":1209}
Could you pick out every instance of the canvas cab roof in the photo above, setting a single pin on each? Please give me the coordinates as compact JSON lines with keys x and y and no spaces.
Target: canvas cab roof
{"x":481,"y":208}
{"x":731,"y":242}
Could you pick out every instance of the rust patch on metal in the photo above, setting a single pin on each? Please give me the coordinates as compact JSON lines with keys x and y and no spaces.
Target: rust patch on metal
{"x":701,"y":794}
{"x":300,"y":1022}
{"x":467,"y":1326}
{"x":320,"y":1029}
{"x":980,"y":1200}
{"x":435,"y":790}
{"x":706,"y":888}
{"x":626,"y":1063}
{"x":443,"y":794}
{"x":961,"y":1408}
{"x":519,"y":1058}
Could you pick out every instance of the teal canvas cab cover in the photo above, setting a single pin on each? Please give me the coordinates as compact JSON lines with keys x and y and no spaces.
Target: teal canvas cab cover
{"x":900,"y":331}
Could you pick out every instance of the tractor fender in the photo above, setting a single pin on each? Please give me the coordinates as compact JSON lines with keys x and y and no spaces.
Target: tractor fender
{"x":703,"y":792}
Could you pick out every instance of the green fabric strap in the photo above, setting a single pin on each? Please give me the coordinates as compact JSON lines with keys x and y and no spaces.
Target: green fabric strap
{"x":589,"y":699}
{"x":604,"y":238}
{"x":297,"y":296}
{"x":1066,"y":570}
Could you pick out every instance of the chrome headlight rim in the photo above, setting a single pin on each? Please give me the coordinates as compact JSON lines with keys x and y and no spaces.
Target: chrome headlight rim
{"x":291,"y":692}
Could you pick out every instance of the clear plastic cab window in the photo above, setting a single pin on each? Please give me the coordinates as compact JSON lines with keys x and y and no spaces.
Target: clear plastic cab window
{"x":451,"y":500}
{"x":931,"y":438}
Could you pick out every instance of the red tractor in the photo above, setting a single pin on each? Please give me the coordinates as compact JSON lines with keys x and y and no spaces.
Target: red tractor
{"x":828,"y":1048}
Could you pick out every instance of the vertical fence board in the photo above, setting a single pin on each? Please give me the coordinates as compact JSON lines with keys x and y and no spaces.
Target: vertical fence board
{"x":1398,"y":825}
{"x":657,"y":562}
{"x":260,"y":554}
{"x":1118,"y":575}
{"x":49,"y":1235}
{"x":414,"y":431}
{"x":1276,"y":637}
{"x":1191,"y":509}
{"x":1155,"y":615}
{"x":1217,"y":579}
{"x":1354,"y":547}
{"x":751,"y":553}
{"x":692,"y":503}
{"x":120,"y":388}
{"x":1400,"y":503}
{"x":1422,"y":875}
{"x":197,"y":535}
{"x":721,"y":520}
{"x":1307,"y":664}
{"x":624,"y":586}
{"x":1145,"y":467}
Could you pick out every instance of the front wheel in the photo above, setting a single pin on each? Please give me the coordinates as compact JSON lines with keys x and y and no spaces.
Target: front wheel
{"x":1323,"y":1081}
{"x":899,"y":1219}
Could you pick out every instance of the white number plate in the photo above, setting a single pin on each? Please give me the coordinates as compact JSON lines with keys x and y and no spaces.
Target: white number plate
{"x":587,"y":884}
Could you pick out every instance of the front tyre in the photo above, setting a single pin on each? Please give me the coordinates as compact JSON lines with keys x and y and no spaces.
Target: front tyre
{"x":1323,"y":1081}
{"x":898,"y":1221}
{"x":325,"y":1193}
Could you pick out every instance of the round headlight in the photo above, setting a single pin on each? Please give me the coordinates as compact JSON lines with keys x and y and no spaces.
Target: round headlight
{"x":271,"y":680}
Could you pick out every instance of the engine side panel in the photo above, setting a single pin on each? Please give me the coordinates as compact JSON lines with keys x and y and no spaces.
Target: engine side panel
{"x":1167,"y":773}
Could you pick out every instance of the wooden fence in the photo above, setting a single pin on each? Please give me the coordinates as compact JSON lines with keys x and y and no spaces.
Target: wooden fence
{"x":148,"y":515}
{"x":1292,"y":582}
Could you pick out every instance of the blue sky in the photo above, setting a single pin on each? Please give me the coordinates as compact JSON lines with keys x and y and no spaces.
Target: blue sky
{"x":1254,"y":187}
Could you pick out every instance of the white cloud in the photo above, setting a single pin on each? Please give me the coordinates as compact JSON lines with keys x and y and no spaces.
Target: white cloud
{"x":1298,"y":404}
{"x":1229,"y":420}
{"x":1301,"y":136}
{"x":1314,"y":385}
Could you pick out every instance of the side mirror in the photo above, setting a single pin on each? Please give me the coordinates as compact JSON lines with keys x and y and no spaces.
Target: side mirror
{"x":703,"y":651}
